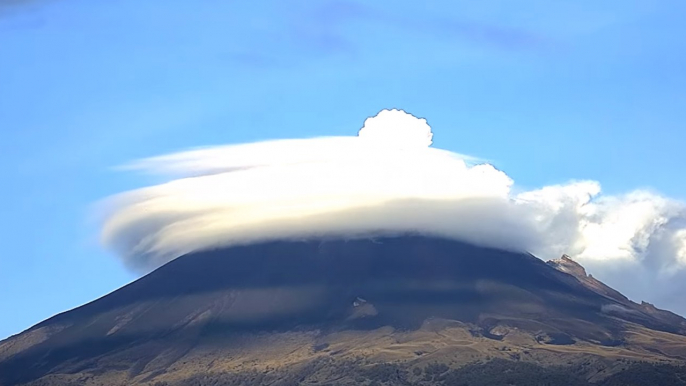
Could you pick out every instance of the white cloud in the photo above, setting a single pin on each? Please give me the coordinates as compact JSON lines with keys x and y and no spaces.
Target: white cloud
{"x":397,"y":128}
{"x":635,"y":228}
{"x":385,"y":180}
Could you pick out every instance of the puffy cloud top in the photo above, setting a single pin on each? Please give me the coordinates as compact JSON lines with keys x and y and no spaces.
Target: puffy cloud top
{"x":396,"y":128}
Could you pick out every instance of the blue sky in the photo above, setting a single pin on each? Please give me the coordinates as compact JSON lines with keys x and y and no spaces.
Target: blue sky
{"x":548,"y":91}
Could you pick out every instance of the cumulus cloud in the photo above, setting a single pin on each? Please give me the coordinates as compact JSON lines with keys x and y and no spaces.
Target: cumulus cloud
{"x":385,"y":180}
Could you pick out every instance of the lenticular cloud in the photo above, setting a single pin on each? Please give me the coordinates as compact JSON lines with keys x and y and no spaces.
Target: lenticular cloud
{"x":386,"y":180}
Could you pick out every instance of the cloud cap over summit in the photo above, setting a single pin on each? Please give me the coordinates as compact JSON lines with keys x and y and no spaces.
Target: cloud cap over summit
{"x":386,"y":180}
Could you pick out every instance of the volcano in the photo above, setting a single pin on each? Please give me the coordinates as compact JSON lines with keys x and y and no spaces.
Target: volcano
{"x":409,"y":310}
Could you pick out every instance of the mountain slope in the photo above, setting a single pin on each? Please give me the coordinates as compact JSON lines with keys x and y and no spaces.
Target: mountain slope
{"x":623,"y":305}
{"x":276,"y":307}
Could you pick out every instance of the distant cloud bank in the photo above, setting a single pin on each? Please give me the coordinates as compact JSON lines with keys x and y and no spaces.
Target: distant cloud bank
{"x":385,"y":180}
